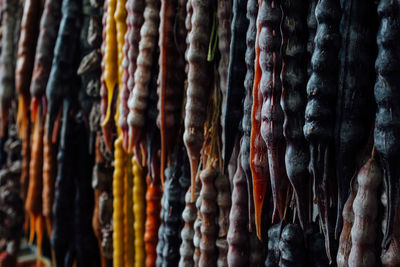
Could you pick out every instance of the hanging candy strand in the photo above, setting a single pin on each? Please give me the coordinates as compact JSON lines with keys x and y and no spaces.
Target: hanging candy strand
{"x":293,"y":102}
{"x":110,"y":56}
{"x":120,"y":163}
{"x":198,"y":85}
{"x":108,"y":127}
{"x":134,"y":21}
{"x":171,"y":82}
{"x":25,"y":60}
{"x":64,"y":191}
{"x":139,"y":211}
{"x":129,"y":253}
{"x":252,"y":10}
{"x":137,"y":102}
{"x":120,"y":26}
{"x":232,"y":106}
{"x":64,"y":64}
{"x":320,"y":109}
{"x":49,"y":177}
{"x":8,"y":51}
{"x":33,"y":203}
{"x":272,"y":117}
{"x":49,"y":26}
{"x":258,"y":149}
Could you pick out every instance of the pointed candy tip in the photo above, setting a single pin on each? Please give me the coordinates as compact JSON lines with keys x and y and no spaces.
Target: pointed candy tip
{"x":258,"y":211}
{"x":329,"y":257}
{"x":273,"y":214}
{"x":130,"y":143}
{"x":106,"y":119}
{"x":133,"y":138}
{"x":34,"y":108}
{"x":39,"y":235}
{"x":162,"y":166}
{"x":31,"y":229}
{"x":325,"y":231}
{"x":387,"y":239}
{"x":162,"y":177}
{"x":258,"y":226}
{"x":109,"y":108}
{"x":56,"y":129}
{"x":125,"y":140}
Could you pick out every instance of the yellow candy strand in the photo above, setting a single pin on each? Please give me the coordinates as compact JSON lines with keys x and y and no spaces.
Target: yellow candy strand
{"x":128,"y":220}
{"x":120,"y":22}
{"x":118,"y":195}
{"x":110,"y":57}
{"x":122,"y":182}
{"x":139,"y":189}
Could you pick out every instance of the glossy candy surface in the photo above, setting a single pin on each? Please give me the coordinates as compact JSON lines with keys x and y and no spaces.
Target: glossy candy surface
{"x":321,"y":100}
